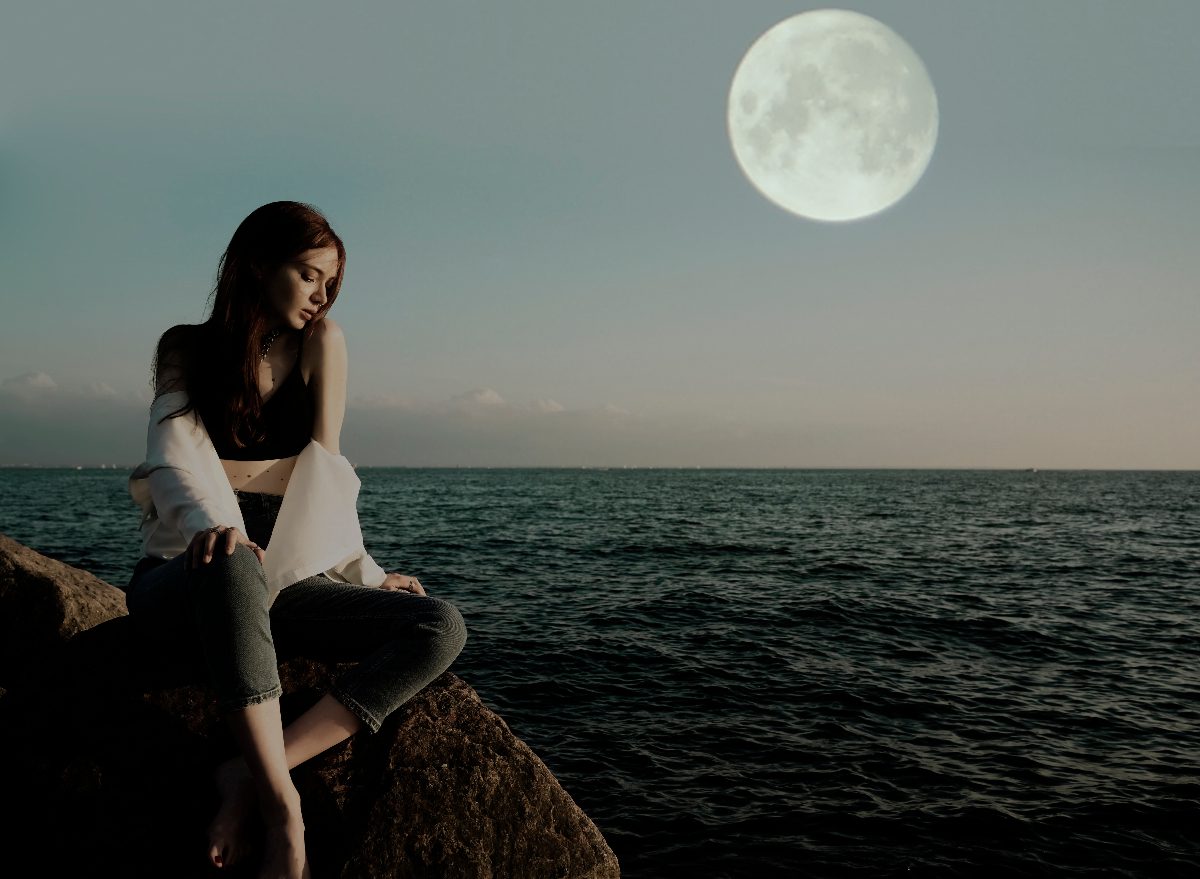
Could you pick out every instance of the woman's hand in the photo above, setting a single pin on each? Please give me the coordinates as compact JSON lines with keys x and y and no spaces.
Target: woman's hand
{"x":401,"y":583}
{"x":204,"y":543}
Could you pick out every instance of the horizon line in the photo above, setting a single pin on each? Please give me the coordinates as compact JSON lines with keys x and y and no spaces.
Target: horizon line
{"x":611,"y":467}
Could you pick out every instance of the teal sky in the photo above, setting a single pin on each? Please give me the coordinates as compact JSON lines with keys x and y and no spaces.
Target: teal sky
{"x":554,"y":259}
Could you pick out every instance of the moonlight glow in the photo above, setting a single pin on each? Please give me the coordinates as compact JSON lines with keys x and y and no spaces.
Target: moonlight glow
{"x":832,"y":115}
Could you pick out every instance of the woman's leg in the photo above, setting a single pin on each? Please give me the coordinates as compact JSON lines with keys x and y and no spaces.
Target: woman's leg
{"x":319,"y":729}
{"x":259,"y":733}
{"x":224,"y":605}
{"x":232,"y":616}
{"x":400,"y":642}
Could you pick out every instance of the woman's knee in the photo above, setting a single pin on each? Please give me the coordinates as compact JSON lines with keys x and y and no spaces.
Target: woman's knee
{"x":448,"y":627}
{"x":236,"y":574}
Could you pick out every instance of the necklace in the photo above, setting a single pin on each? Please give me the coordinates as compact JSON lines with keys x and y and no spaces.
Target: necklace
{"x":268,"y":341}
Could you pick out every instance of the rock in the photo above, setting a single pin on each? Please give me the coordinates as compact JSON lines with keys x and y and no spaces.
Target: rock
{"x":109,"y":748}
{"x":42,"y":604}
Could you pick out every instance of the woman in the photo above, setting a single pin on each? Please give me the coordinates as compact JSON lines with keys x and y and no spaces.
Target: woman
{"x":251,"y":538}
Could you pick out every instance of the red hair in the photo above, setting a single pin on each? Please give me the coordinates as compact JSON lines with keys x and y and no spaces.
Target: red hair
{"x":219,"y":358}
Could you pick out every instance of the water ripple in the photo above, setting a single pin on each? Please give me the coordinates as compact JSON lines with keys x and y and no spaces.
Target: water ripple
{"x":780,"y":673}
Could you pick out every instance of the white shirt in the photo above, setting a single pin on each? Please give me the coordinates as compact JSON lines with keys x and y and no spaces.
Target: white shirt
{"x":182,"y":489}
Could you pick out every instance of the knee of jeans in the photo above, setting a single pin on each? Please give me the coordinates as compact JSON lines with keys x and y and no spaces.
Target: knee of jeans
{"x":450,"y":631}
{"x":237,"y":572}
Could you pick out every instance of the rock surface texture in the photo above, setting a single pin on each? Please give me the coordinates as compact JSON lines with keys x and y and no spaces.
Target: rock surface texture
{"x":42,"y":604}
{"x":109,"y":746}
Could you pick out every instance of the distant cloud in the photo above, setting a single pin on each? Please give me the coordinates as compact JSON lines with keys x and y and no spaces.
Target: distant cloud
{"x":478,"y":428}
{"x":488,"y":397}
{"x":30,"y":382}
{"x":42,"y":386}
{"x":42,"y":423}
{"x":481,"y":396}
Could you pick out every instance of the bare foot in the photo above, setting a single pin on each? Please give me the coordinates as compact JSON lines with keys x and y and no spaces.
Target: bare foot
{"x":285,"y":857}
{"x":226,"y":834}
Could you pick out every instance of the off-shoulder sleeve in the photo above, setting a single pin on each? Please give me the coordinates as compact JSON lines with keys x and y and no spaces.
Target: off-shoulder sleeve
{"x":183,"y":505}
{"x":181,"y":485}
{"x":183,"y":488}
{"x":317,"y":530}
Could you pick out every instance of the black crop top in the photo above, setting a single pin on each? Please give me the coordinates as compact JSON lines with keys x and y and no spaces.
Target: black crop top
{"x":287,"y":423}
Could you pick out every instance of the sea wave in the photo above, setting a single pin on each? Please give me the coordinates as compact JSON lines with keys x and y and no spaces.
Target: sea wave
{"x":823,"y":673}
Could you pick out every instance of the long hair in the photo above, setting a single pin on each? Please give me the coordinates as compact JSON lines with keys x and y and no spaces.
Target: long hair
{"x":219,"y":358}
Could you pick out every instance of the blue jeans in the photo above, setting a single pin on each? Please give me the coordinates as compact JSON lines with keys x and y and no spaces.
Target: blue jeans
{"x":400,"y":641}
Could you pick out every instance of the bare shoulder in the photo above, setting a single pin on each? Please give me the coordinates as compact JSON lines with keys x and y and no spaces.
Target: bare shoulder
{"x":324,"y":349}
{"x":325,"y":335}
{"x":171,"y":359}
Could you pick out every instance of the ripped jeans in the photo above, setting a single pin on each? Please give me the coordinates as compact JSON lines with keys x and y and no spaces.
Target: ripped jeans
{"x":400,"y":641}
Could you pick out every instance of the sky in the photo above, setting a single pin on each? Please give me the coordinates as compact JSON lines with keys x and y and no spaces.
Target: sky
{"x":554,"y":259}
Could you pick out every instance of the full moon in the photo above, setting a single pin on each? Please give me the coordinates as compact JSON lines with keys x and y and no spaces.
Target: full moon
{"x":832,"y":115}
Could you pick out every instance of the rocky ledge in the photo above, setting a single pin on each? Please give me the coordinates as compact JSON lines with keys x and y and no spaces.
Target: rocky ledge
{"x":109,"y":749}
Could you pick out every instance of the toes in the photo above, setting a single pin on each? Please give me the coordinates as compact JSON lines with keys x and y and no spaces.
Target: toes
{"x":234,"y":854}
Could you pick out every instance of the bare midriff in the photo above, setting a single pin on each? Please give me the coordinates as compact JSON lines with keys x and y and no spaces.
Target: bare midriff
{"x":268,"y":477}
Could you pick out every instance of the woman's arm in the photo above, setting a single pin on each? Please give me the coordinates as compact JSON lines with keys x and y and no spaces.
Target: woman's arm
{"x":325,"y":352}
{"x":326,"y":360}
{"x":179,"y":501}
{"x":183,"y":506}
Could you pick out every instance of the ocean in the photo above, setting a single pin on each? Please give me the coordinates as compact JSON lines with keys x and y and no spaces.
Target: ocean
{"x":760,"y":673}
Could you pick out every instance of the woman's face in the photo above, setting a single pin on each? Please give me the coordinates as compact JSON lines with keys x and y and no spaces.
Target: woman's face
{"x":298,"y":288}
